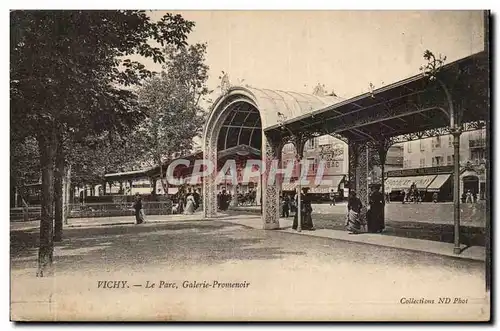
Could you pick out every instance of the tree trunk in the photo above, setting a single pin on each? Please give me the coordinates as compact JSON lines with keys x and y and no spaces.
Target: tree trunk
{"x":153,"y":185}
{"x":59,"y":174}
{"x":164,"y":183}
{"x":46,"y":147}
{"x":104,"y":188}
{"x":67,"y":194}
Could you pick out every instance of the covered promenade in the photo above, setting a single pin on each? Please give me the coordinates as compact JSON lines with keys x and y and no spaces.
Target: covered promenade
{"x":456,"y":99}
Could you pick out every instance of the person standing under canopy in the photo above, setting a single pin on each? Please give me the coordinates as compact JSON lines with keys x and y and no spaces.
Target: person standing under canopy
{"x":190,"y":204}
{"x":305,"y":210}
{"x":375,"y":215}
{"x":354,"y":206}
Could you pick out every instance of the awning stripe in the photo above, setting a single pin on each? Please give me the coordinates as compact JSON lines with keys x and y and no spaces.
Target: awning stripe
{"x":404,"y":183}
{"x":318,"y":189}
{"x":438,"y":183}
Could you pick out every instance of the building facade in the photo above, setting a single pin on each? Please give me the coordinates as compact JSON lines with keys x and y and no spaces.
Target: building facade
{"x":334,"y":153}
{"x":328,"y":150}
{"x":437,"y":152}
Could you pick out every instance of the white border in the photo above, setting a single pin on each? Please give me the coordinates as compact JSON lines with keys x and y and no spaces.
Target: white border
{"x":190,"y":5}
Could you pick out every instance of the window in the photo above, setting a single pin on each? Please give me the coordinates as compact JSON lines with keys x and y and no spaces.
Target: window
{"x":312,"y":163}
{"x":449,"y":160}
{"x":437,"y":161}
{"x":450,"y":141}
{"x":311,"y":143}
{"x":289,"y":148}
{"x":422,"y":162}
{"x":422,"y":146}
{"x":409,"y":147}
{"x":477,"y":155}
{"x":436,"y":142}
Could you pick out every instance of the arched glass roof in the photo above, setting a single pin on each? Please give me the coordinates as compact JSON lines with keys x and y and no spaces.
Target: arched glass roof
{"x":265,"y":108}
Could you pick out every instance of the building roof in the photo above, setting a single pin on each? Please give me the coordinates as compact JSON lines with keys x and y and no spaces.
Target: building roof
{"x":396,"y":109}
{"x":253,"y":109}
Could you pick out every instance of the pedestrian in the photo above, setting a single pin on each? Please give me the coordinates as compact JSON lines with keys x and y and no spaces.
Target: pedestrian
{"x":189,"y":210}
{"x":332,"y":198}
{"x":139,"y":212}
{"x":305,"y":210}
{"x":435,"y":197}
{"x":219,"y":200}
{"x":293,"y":205}
{"x":180,"y":200}
{"x":468,"y":197}
{"x":285,"y":206}
{"x":224,"y":200}
{"x":354,"y":205}
{"x":375,"y":215}
{"x":196,"y":197}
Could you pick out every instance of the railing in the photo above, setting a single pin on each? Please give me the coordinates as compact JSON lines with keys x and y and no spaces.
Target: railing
{"x":118,"y":209}
{"x":96,"y":210}
{"x":25,"y":213}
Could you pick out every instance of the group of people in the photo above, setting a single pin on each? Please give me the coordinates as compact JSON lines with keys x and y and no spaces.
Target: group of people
{"x":190,"y":201}
{"x":413,"y":195}
{"x":248,"y":198}
{"x":289,"y":204}
{"x":374,"y":215}
{"x":373,"y":218}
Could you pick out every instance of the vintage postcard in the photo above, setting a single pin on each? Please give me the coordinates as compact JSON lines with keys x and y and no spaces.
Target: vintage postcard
{"x":250,"y":165}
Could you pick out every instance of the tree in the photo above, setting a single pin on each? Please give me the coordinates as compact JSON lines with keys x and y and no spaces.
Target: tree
{"x":24,"y":163}
{"x":174,"y":114}
{"x":69,"y":76}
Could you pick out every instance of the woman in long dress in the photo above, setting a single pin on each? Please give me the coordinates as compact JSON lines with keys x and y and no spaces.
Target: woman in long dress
{"x":139,"y":212}
{"x":375,"y":216}
{"x":354,"y":206}
{"x":189,"y":210}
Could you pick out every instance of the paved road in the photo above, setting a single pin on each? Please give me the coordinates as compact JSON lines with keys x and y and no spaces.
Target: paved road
{"x":436,"y":213}
{"x":291,"y":277}
{"x":421,"y":221}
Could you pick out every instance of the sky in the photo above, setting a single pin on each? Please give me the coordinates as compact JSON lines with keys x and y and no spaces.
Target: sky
{"x":345,"y":50}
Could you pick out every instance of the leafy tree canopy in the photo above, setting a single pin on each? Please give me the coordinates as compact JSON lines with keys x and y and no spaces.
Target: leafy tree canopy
{"x":71,"y":68}
{"x":172,"y":100}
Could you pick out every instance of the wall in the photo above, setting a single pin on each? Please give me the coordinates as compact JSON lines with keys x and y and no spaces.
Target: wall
{"x":419,"y":153}
{"x":333,"y":151}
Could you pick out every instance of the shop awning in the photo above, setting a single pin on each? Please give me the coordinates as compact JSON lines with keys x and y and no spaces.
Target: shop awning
{"x":404,"y":183}
{"x":318,"y":189}
{"x":288,"y":187}
{"x":438,"y":182}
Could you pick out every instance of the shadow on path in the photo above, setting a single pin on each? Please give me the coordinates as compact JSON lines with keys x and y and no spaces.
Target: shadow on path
{"x":135,"y":247}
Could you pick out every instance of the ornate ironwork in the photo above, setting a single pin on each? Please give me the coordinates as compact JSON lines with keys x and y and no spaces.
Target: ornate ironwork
{"x":470,"y":126}
{"x":271,"y":196}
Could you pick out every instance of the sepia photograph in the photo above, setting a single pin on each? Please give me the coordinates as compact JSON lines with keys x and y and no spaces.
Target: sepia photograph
{"x":250,"y":165}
